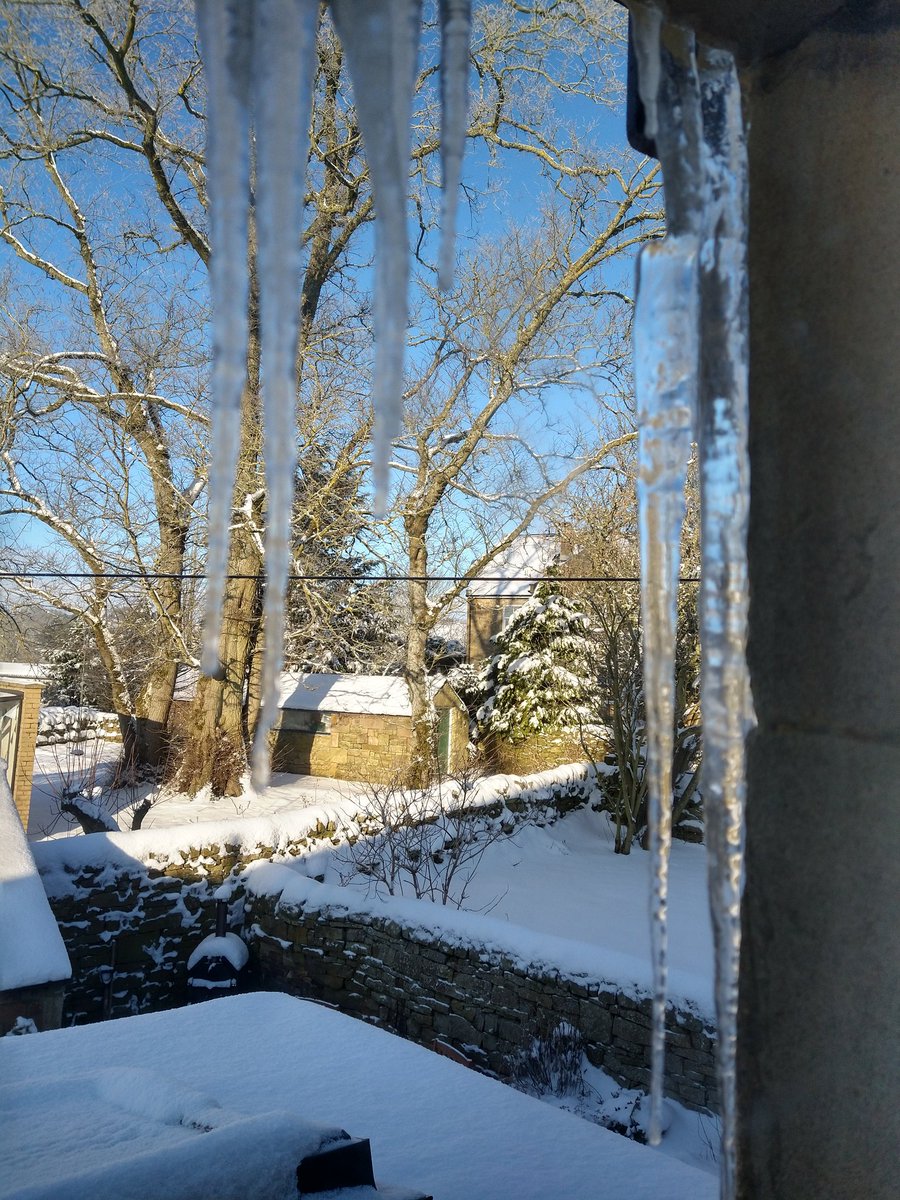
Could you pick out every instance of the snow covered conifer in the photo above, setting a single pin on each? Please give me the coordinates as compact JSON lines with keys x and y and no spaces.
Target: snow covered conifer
{"x":541,"y":678}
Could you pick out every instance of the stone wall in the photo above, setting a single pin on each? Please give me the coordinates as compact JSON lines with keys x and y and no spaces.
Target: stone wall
{"x":484,"y":621}
{"x":479,"y":1003}
{"x":142,"y":901}
{"x":370,"y":747}
{"x":59,"y":723}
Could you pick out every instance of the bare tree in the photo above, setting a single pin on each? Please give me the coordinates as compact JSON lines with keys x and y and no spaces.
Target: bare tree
{"x":102,"y":213}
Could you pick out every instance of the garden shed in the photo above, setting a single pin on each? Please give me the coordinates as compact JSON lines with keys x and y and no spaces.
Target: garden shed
{"x":359,"y":726}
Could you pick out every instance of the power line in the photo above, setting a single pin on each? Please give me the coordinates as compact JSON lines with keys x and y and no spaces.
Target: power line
{"x":334,"y":578}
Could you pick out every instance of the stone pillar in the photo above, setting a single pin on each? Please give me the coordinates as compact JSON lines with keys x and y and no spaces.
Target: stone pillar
{"x":818,"y":1054}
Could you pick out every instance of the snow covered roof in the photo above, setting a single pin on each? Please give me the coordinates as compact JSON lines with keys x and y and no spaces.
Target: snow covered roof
{"x":27,"y":673}
{"x":528,"y":556}
{"x":31,"y":947}
{"x":377,"y":695}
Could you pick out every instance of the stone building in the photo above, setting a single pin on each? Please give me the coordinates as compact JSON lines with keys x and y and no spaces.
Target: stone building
{"x":359,"y":726}
{"x":20,"y":700}
{"x":505,"y":586}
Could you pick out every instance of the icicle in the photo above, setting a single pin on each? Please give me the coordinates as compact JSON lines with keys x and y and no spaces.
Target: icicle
{"x":666,"y":360}
{"x":665,"y":356}
{"x":456,"y":23}
{"x":380,"y":39}
{"x":724,"y":482}
{"x":226,"y":41}
{"x":646,"y":25}
{"x":284,"y":71}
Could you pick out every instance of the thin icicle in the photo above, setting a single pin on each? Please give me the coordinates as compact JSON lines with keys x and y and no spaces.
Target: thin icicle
{"x":456,"y":25}
{"x":284,"y":71}
{"x":226,"y":40}
{"x":380,"y":39}
{"x":665,"y":355}
{"x":724,"y":482}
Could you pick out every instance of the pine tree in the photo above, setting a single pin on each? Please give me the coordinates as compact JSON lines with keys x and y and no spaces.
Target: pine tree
{"x":541,"y":679}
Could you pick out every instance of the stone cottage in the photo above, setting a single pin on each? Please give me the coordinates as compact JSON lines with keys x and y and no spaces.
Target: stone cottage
{"x":20,"y":700}
{"x":359,"y":726}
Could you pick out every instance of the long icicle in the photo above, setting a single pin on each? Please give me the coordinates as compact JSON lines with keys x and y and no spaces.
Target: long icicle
{"x":724,"y":483}
{"x":665,"y":357}
{"x":285,"y":48}
{"x":456,"y":26}
{"x":226,"y":40}
{"x":380,"y":39}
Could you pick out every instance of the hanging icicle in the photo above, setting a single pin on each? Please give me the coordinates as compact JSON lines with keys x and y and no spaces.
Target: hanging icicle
{"x":260,"y":61}
{"x":665,"y":369}
{"x":666,"y":358}
{"x":381,"y":40}
{"x":724,"y":485}
{"x":226,"y":39}
{"x":259,"y":57}
{"x":456,"y":29}
{"x":699,"y":135}
{"x":284,"y":71}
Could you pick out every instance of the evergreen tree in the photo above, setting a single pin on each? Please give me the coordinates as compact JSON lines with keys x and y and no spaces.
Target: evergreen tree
{"x":541,"y":679}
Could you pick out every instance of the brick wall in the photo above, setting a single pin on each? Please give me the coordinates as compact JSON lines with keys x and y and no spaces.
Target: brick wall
{"x":28,"y":731}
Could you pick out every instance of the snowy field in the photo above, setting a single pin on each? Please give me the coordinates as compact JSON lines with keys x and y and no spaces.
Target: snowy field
{"x":186,"y":1090}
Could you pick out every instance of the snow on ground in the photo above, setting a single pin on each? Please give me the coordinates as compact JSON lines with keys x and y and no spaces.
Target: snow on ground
{"x":58,"y":766}
{"x":432,"y":1124}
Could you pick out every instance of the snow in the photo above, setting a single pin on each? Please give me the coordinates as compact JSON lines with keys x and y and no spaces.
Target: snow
{"x":18,"y":672}
{"x":385,"y":695}
{"x":130,"y":1131}
{"x":230,"y":947}
{"x":528,"y":556}
{"x":31,"y":946}
{"x":554,"y":898}
{"x":77,"y":1094}
{"x":382,"y":695}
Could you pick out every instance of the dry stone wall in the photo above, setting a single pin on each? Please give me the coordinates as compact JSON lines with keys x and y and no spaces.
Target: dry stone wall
{"x":472,"y":1001}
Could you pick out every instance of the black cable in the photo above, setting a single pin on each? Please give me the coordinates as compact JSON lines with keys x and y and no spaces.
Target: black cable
{"x":332,"y":578}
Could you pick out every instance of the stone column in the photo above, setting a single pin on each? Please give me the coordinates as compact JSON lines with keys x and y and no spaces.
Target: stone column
{"x":818,"y":1053}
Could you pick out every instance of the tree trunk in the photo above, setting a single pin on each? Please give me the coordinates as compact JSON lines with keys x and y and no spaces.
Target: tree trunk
{"x":216,"y":734}
{"x":423,"y":757}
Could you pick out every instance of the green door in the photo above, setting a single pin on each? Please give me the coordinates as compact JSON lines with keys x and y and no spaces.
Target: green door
{"x":443,"y":739}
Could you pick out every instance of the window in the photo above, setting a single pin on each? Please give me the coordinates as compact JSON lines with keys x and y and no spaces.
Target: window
{"x":303,"y":720}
